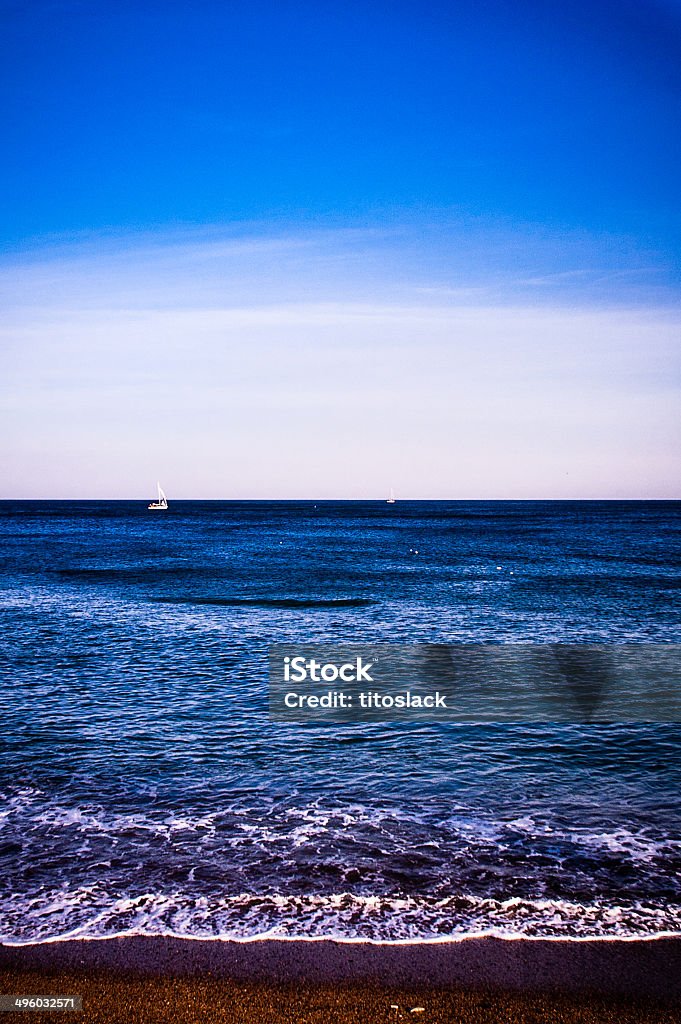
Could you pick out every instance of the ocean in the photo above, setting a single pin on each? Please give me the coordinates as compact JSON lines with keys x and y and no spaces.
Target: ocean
{"x":144,"y":790}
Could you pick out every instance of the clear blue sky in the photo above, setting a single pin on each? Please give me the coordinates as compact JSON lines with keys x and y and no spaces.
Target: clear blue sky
{"x":467,"y":165}
{"x":135,"y":113}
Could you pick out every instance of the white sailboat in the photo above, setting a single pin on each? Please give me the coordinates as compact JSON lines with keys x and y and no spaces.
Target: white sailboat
{"x":162,"y":502}
{"x":391,"y":499}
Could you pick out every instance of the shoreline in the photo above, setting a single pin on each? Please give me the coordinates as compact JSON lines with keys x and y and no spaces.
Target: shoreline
{"x":646,"y":967}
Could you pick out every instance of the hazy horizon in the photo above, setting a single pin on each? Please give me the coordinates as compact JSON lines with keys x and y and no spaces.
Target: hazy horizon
{"x":144,"y":499}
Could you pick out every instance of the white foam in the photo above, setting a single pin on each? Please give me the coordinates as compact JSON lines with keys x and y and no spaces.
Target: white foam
{"x":90,"y":913}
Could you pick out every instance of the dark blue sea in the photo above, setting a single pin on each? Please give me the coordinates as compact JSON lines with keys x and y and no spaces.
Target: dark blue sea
{"x":143,"y":788}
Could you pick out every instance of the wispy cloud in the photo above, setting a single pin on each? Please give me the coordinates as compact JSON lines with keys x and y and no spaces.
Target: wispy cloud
{"x":329,"y":364}
{"x":458,"y":259}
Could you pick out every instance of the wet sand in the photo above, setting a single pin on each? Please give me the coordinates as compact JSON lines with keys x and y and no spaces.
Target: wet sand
{"x":474,"y":980}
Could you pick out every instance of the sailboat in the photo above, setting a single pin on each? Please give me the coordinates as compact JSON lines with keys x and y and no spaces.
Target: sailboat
{"x":162,"y":502}
{"x":391,"y":499}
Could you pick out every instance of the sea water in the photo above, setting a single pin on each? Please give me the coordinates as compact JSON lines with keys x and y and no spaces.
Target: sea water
{"x":143,"y":788}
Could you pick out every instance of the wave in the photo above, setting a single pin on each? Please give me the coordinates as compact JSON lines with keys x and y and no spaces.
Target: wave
{"x":90,"y":912}
{"x":170,"y":872}
{"x":272,"y":602}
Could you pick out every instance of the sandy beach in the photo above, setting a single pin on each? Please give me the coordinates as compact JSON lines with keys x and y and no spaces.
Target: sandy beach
{"x":474,"y":980}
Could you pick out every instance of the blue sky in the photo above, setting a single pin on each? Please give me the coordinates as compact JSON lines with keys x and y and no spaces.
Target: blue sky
{"x":318,"y":250}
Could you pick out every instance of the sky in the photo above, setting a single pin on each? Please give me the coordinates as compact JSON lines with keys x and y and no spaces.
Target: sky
{"x":318,"y":250}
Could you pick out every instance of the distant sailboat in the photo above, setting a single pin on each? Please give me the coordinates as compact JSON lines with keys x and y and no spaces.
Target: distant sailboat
{"x":391,"y":499}
{"x":162,"y":502}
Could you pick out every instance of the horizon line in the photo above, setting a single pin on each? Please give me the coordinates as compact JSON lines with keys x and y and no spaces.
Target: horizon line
{"x":327,"y":500}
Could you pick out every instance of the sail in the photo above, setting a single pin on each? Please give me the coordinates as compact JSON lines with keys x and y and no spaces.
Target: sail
{"x":162,"y":501}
